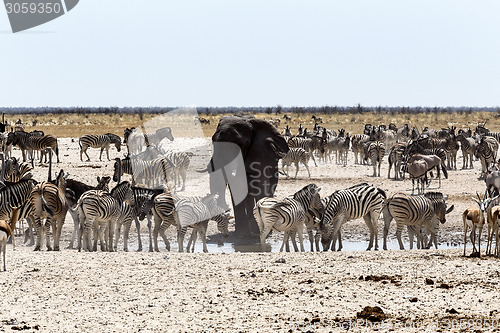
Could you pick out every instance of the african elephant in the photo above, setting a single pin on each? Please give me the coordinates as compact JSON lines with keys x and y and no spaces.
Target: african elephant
{"x":245,"y":158}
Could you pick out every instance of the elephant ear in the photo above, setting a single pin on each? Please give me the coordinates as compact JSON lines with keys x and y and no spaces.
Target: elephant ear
{"x":279,"y":147}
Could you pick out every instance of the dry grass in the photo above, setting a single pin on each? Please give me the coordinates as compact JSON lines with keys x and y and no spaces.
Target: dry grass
{"x":75,"y":125}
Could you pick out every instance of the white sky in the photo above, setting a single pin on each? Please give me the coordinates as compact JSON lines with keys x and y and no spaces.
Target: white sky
{"x":256,"y":53}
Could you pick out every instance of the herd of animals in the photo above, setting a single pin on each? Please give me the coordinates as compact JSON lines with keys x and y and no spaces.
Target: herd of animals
{"x":101,"y":213}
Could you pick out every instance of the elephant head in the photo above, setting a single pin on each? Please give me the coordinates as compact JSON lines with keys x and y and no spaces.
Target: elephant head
{"x":245,"y":158}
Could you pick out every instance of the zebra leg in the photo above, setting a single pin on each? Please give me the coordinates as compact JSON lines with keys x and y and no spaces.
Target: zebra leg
{"x":317,"y":238}
{"x":59,"y":224}
{"x":296,"y":169}
{"x":286,"y":234}
{"x":138,"y":229}
{"x":85,"y":151}
{"x":203,"y":235}
{"x":156,"y":228}
{"x":387,"y":222}
{"x":263,"y":235}
{"x":183,"y":175}
{"x":181,"y":232}
{"x":111,"y":230}
{"x":74,"y":215}
{"x":399,"y":229}
{"x":292,"y":234}
{"x":48,"y":224}
{"x":192,"y":240}
{"x":29,"y":232}
{"x":118,"y":232}
{"x":339,"y":238}
{"x":311,"y":241}
{"x":164,"y":237}
{"x":300,"y":232}
{"x":370,"y":226}
{"x":307,"y":168}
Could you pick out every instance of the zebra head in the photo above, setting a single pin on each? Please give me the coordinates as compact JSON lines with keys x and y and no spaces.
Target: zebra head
{"x":116,"y":140}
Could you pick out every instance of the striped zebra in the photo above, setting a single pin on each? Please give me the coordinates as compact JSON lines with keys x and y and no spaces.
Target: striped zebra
{"x":15,"y":171}
{"x":312,"y":223}
{"x":416,"y":211}
{"x":157,"y":171}
{"x":102,"y":141}
{"x":396,"y":156}
{"x":483,"y":131}
{"x":97,"y":207}
{"x":195,"y":214}
{"x":287,"y":214}
{"x":358,"y":140}
{"x":486,"y":151}
{"x":375,"y":151}
{"x":162,"y":208}
{"x":468,"y":146}
{"x":343,"y":145}
{"x":308,"y":144}
{"x":40,"y":143}
{"x":358,"y":201}
{"x":49,"y":198}
{"x":136,"y":140}
{"x":140,"y":195}
{"x":77,"y":188}
{"x":180,"y":161}
{"x":295,"y":155}
{"x":451,"y":151}
{"x":201,"y":229}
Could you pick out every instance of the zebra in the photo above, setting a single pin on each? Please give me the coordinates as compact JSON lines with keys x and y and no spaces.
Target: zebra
{"x":417,"y":211}
{"x":180,"y":161}
{"x":155,"y":171}
{"x":135,"y":140}
{"x":358,"y":140}
{"x":295,"y":155}
{"x":317,"y":120}
{"x":396,"y":158}
{"x":95,"y":207}
{"x":451,"y":150}
{"x":40,"y":143}
{"x":308,"y":144}
{"x":162,"y":207}
{"x":312,"y":223}
{"x":188,"y":213}
{"x":201,"y":228}
{"x":486,"y":151}
{"x":358,"y":201}
{"x":468,"y":146}
{"x":15,"y":171}
{"x":375,"y":150}
{"x":78,"y":188}
{"x":50,"y":198}
{"x":483,"y":131}
{"x":285,"y":215}
{"x":102,"y":141}
{"x":343,"y":145}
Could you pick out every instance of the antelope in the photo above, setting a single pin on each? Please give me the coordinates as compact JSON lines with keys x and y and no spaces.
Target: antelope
{"x":474,"y":217}
{"x":6,"y":230}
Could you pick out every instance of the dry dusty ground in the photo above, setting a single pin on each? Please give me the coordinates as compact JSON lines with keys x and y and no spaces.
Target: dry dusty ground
{"x":87,"y":292}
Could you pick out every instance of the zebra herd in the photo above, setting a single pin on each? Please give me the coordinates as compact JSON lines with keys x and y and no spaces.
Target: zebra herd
{"x":420,"y":213}
{"x":409,"y":150}
{"x":102,"y":214}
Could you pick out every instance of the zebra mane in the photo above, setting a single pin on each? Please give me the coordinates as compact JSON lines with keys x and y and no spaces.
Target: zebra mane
{"x":354,"y":186}
{"x":434,"y":195}
{"x":114,"y":138}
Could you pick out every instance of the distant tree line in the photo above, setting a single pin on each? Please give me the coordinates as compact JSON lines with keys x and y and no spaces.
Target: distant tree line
{"x":267,"y":110}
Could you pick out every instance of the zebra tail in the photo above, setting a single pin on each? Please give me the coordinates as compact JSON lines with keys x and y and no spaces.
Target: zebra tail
{"x":258,"y":217}
{"x":445,"y":172}
{"x":381,"y":191}
{"x":45,"y":205}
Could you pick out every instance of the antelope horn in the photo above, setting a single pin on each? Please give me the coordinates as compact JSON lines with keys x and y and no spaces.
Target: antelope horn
{"x":479,"y":197}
